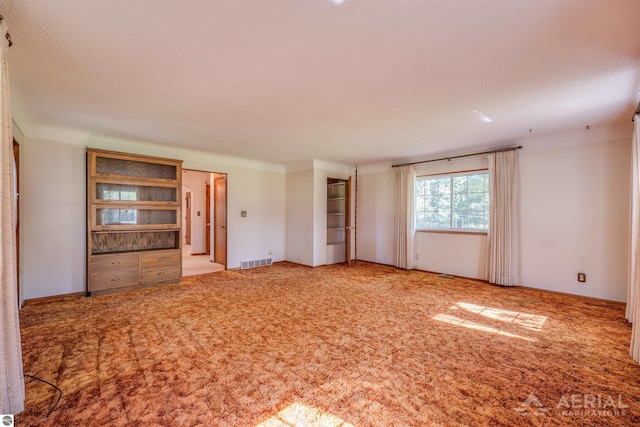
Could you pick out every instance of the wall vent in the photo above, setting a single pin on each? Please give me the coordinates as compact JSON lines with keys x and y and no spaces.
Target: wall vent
{"x":255,"y":263}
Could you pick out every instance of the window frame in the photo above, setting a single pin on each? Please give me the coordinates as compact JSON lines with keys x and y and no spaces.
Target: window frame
{"x":451,"y":175}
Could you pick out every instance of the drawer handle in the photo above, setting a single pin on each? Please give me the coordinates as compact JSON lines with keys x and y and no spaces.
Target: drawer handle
{"x":115,"y":263}
{"x":162,"y":273}
{"x":116,"y":279}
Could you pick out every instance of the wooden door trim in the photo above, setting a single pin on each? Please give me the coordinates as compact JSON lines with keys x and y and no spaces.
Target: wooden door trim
{"x":207,"y":226}
{"x":188,"y":203}
{"x":16,"y":156}
{"x":347,"y":223}
{"x":222,"y":177}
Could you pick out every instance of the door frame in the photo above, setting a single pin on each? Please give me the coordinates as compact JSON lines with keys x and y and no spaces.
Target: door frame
{"x":347,"y":221}
{"x":216,"y":202}
{"x":210,"y":239}
{"x":207,"y":227}
{"x":187,"y":217}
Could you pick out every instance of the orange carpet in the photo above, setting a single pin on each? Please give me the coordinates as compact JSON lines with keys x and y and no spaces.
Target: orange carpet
{"x":293,"y":346}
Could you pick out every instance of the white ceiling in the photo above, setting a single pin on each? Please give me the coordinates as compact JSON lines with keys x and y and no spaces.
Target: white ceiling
{"x":357,"y":82}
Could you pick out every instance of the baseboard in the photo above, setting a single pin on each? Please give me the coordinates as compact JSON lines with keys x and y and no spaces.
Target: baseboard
{"x":593,"y":299}
{"x":454,"y":275}
{"x":54,"y":297}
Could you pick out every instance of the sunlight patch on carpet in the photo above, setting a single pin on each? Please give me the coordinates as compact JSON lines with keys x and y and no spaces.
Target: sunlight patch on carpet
{"x":529,"y":321}
{"x":299,"y":415}
{"x":453,"y":320}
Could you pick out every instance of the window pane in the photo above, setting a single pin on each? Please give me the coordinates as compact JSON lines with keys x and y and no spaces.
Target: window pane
{"x":444,"y":203}
{"x":460,"y":204}
{"x":476,"y":184}
{"x":459,"y":221}
{"x":420,"y":187}
{"x":443,"y":220}
{"x":460,"y":184}
{"x":430,"y":203}
{"x":452,"y":202}
{"x":476,"y":202}
{"x":432,"y":220}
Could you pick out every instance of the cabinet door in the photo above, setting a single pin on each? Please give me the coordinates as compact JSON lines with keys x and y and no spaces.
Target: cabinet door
{"x":114,"y":192}
{"x":118,"y":165}
{"x":133,"y":217}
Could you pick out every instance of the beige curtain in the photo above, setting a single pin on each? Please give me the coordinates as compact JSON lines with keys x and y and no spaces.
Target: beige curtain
{"x":503,"y":239}
{"x":11,"y":379}
{"x":633,"y":283}
{"x":404,"y":215}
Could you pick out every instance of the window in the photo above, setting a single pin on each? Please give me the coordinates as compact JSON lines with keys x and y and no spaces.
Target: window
{"x":453,"y":202}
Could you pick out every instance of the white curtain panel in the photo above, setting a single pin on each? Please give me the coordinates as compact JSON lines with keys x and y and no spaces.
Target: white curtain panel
{"x":405,"y":229}
{"x":633,"y":284}
{"x":503,"y":240}
{"x":11,"y":379}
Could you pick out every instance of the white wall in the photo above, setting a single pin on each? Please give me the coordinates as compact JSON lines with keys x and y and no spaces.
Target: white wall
{"x":463,"y":255}
{"x":196,"y":182}
{"x":300,"y":216}
{"x":574,"y":217}
{"x":376,"y":215}
{"x":53,"y":229}
{"x":54,"y":232}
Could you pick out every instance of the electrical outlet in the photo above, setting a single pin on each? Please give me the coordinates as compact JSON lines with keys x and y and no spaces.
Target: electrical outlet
{"x":270,"y":252}
{"x":582,"y":277}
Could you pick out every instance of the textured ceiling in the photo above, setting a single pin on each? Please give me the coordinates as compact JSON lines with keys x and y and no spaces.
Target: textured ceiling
{"x":357,"y":82}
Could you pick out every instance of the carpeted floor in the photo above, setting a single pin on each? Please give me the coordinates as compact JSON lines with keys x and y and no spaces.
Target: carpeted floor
{"x":292,"y":346}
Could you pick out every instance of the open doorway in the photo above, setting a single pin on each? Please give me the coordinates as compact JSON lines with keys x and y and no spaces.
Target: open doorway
{"x":202,"y":207}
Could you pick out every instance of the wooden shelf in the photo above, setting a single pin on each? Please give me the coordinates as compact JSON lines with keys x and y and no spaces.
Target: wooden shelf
{"x":336,"y":193}
{"x":133,"y":221}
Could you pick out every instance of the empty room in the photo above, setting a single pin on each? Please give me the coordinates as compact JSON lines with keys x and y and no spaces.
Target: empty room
{"x":320,"y":213}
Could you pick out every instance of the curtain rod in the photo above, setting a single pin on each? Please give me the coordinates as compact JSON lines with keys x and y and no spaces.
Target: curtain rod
{"x":7,"y":35}
{"x":460,"y":156}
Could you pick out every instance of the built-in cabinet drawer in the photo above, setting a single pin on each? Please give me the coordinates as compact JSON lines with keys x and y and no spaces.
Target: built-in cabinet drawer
{"x":104,"y":263}
{"x":160,"y":266}
{"x":114,"y":271}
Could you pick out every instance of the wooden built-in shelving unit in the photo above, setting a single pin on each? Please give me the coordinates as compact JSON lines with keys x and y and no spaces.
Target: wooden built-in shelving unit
{"x":336,"y":211}
{"x":133,"y":221}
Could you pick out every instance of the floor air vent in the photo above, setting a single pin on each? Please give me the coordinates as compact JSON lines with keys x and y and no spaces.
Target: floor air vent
{"x":255,"y":263}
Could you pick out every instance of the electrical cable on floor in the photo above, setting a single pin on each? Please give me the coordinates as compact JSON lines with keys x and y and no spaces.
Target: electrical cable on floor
{"x":44,"y":420}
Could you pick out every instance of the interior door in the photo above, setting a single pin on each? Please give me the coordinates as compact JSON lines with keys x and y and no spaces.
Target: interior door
{"x":347,"y":221}
{"x":187,"y":218}
{"x":220,"y":219}
{"x":208,"y":218}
